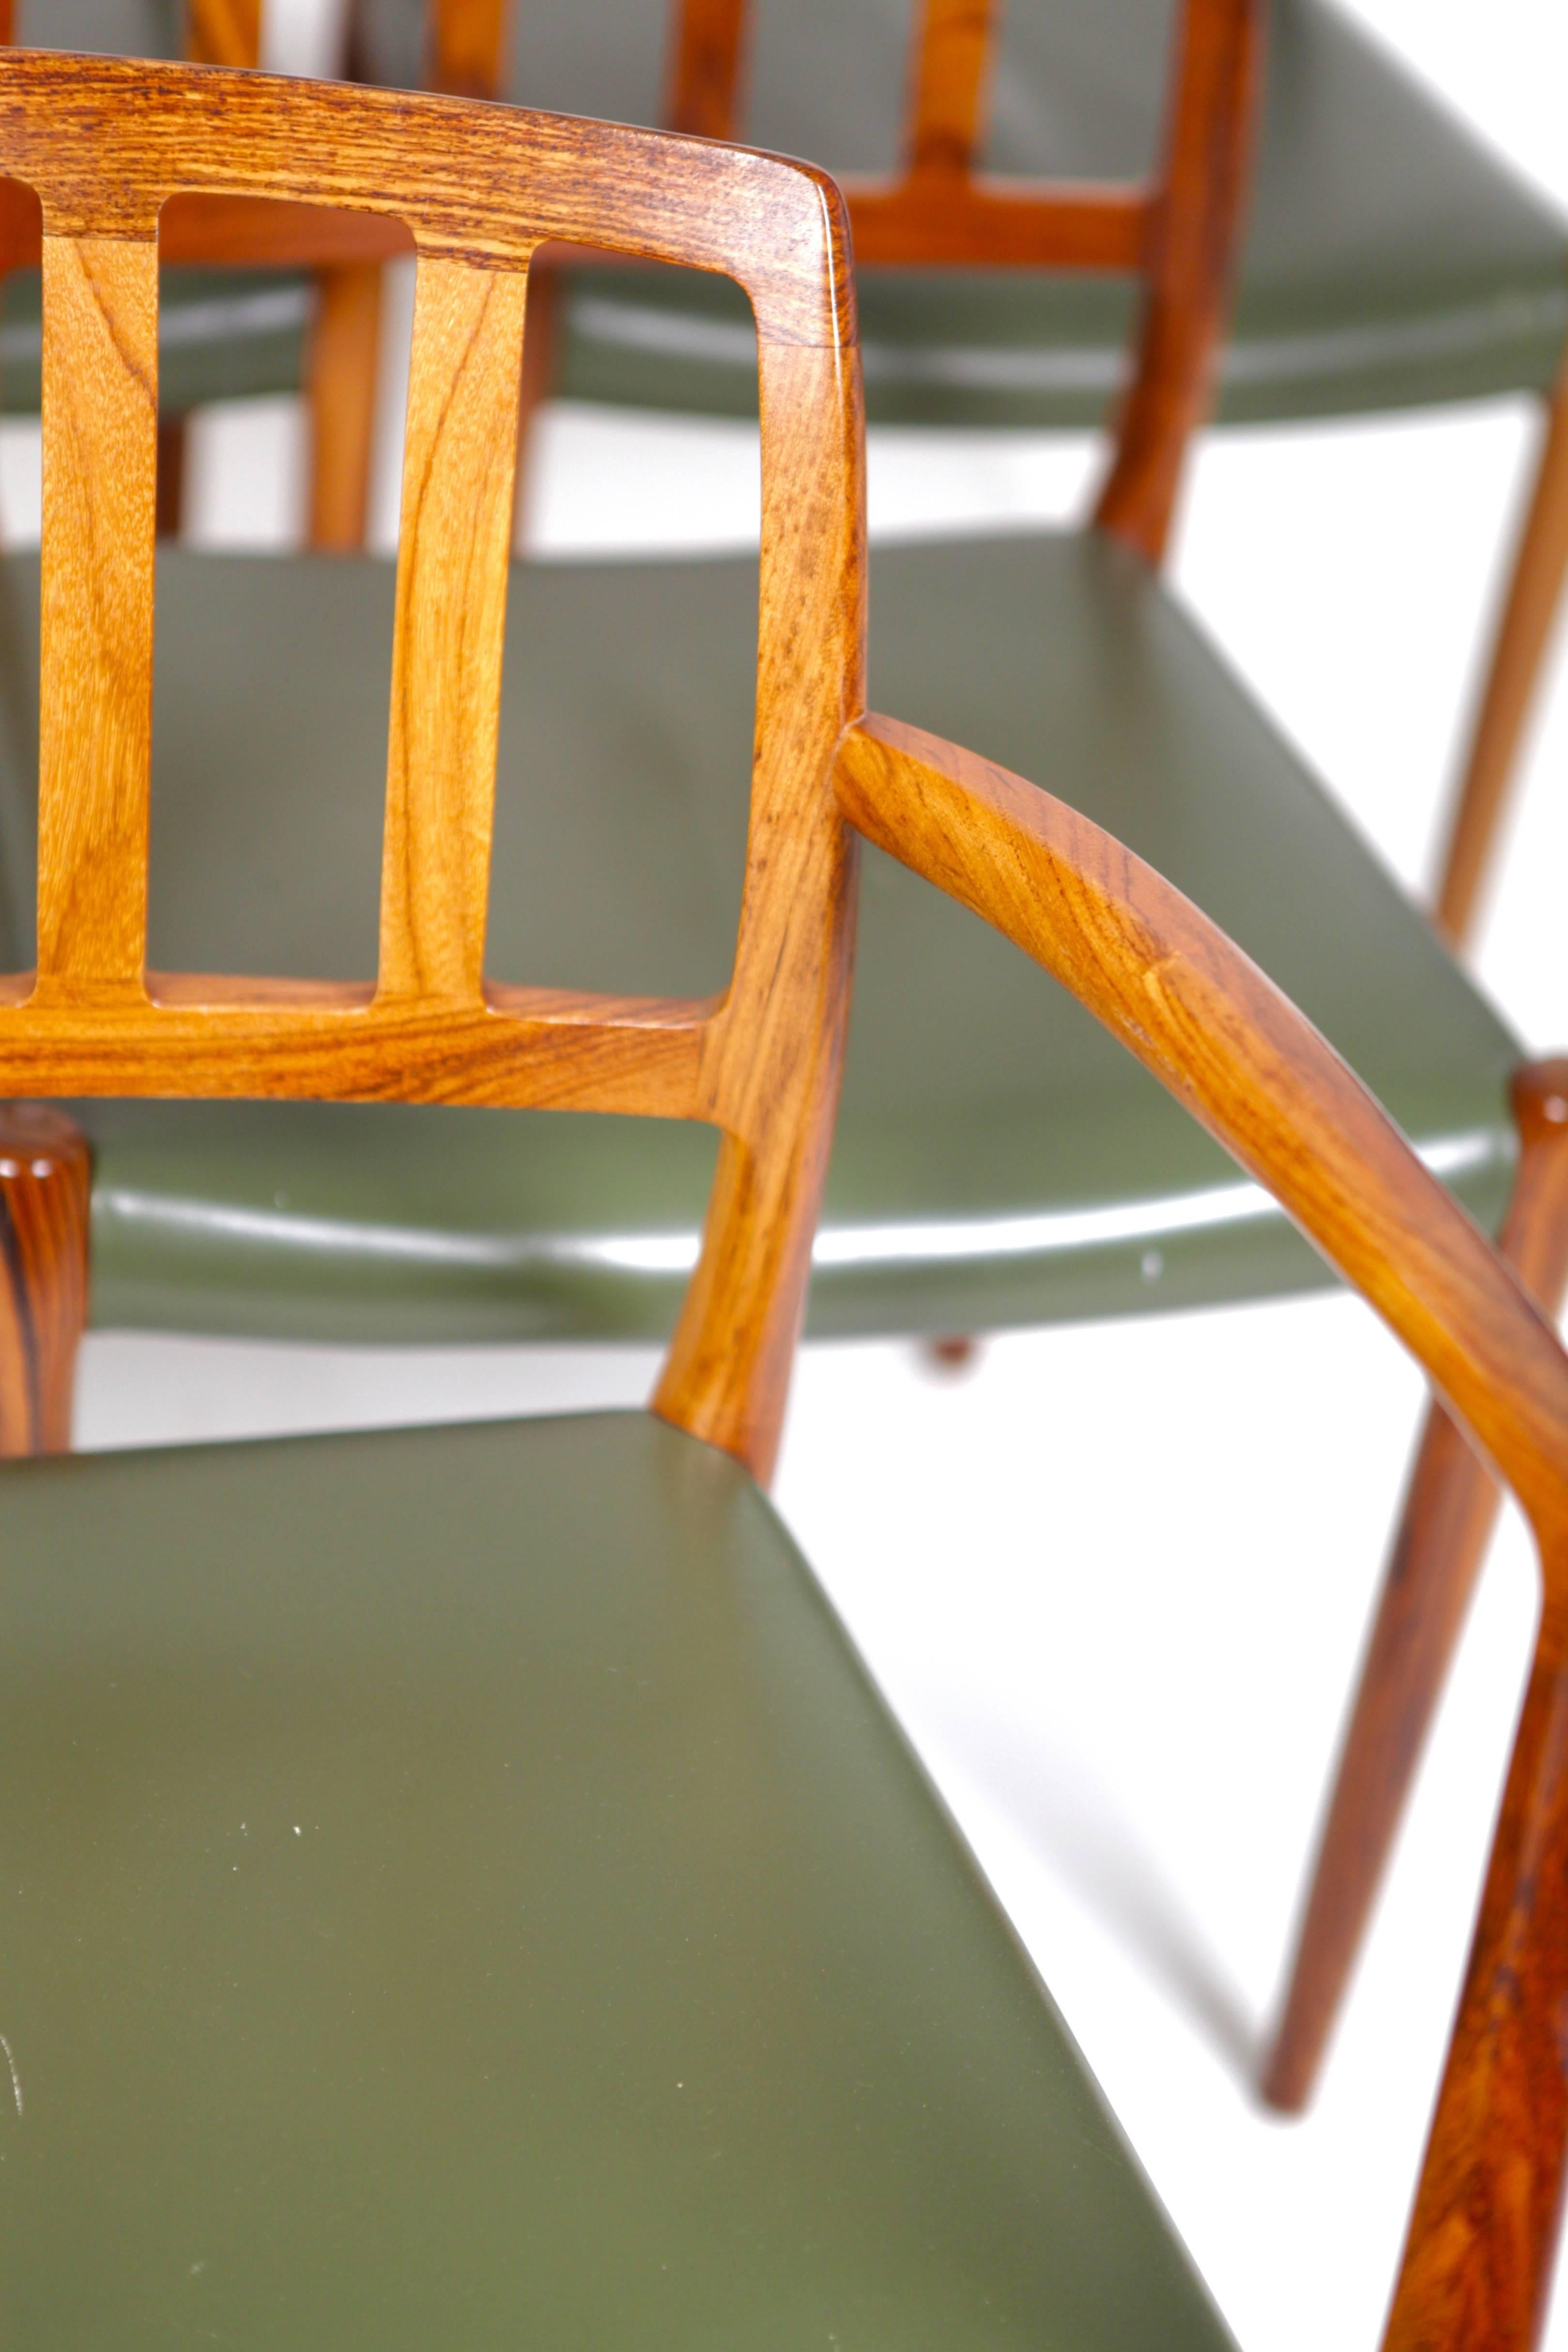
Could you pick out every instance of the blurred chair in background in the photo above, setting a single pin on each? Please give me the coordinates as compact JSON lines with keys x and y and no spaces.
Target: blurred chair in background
{"x":1390,"y":262}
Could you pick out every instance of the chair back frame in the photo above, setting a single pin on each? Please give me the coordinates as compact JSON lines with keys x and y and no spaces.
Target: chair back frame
{"x":107,"y":146}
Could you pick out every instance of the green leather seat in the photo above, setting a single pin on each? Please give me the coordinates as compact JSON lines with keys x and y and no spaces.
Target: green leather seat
{"x":461,"y":1888}
{"x":1391,"y":259}
{"x":998,"y":1160}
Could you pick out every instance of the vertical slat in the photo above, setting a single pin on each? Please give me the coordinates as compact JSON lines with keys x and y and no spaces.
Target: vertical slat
{"x":100,"y":418}
{"x":468,"y":48}
{"x":344,"y":368}
{"x":453,"y":551}
{"x":949,"y":84}
{"x":224,"y":32}
{"x":1196,"y":235}
{"x":706,"y":68}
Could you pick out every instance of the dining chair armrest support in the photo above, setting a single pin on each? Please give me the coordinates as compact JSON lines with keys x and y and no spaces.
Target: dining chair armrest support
{"x":1197,"y":1012}
{"x":1180,"y":995}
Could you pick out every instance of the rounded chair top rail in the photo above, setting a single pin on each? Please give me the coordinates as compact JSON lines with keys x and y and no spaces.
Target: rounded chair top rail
{"x":106,"y":142}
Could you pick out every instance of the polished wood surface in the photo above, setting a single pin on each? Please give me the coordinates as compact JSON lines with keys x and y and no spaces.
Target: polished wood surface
{"x":100,"y":415}
{"x":1483,"y":2238}
{"x":45,"y":1185}
{"x":1446,"y":1522}
{"x":340,"y":387}
{"x":453,"y":556}
{"x":1524,"y":632}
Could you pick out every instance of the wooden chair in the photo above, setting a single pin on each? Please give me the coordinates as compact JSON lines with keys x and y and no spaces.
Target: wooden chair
{"x":995,"y":1162}
{"x":228,"y":336}
{"x":1391,"y":263}
{"x":460,"y":1883}
{"x":939,"y":248}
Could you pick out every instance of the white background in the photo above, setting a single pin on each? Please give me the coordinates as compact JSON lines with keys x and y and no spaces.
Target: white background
{"x":1115,"y":1579}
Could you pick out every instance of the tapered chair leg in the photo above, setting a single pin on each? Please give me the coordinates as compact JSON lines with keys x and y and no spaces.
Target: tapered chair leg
{"x":1449,"y":1510}
{"x":345,"y":363}
{"x":45,"y":1186}
{"x":1522,"y":636}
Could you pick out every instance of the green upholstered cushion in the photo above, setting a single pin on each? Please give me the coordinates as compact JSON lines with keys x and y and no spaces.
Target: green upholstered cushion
{"x":460,"y":1887}
{"x":1391,"y":258}
{"x":998,"y":1159}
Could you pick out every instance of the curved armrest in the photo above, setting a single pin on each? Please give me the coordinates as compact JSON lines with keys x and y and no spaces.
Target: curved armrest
{"x":1167,"y":981}
{"x":1203,"y":1019}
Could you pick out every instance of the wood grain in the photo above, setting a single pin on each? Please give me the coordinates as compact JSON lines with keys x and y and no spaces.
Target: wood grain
{"x":1444,"y":1526}
{"x":45,"y":1185}
{"x":454,"y":548}
{"x":1524,"y":632}
{"x":106,"y":152}
{"x":1217,"y":1033}
{"x":343,"y":373}
{"x":773,"y":1060}
{"x":100,"y":420}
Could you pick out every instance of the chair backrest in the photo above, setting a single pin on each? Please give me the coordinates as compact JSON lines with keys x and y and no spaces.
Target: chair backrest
{"x":1179,"y":233}
{"x":106,"y":145}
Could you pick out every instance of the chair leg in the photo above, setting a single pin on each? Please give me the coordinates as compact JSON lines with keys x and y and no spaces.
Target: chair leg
{"x":45,"y":1186}
{"x":1449,"y":1509}
{"x":1522,"y":640}
{"x":1476,"y":2273}
{"x":345,"y":362}
{"x":951,"y":1355}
